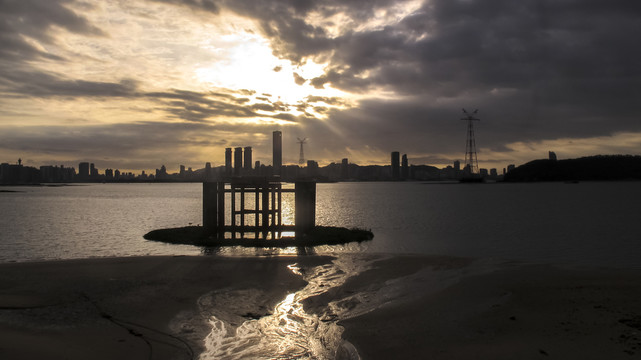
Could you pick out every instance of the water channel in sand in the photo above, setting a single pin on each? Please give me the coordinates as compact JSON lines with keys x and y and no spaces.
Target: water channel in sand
{"x":289,"y":332}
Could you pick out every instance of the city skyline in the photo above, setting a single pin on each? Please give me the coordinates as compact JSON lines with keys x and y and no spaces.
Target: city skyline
{"x":138,"y":84}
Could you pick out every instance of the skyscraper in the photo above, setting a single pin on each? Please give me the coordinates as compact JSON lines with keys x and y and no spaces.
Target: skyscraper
{"x":277,"y":152}
{"x":248,"y":159}
{"x":396,"y":165}
{"x":344,"y":169}
{"x":83,"y":170}
{"x":238,"y":160}
{"x":405,"y":170}
{"x":228,"y":162}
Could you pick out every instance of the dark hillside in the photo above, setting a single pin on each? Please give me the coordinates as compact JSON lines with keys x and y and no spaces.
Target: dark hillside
{"x":599,"y":167}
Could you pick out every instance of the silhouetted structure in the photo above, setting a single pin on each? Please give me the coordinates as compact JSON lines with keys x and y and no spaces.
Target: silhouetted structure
{"x":552,"y":156}
{"x":405,"y":170}
{"x":312,"y":169}
{"x":277,"y":152}
{"x":301,"y":159}
{"x":209,"y":173}
{"x":14,"y":174}
{"x":228,"y":166}
{"x":344,"y":169}
{"x":55,"y":174}
{"x":93,"y":172}
{"x":248,"y":160}
{"x":238,"y":160}
{"x":83,"y":170}
{"x":396,"y":165}
{"x":471,"y":163}
{"x":262,"y":221}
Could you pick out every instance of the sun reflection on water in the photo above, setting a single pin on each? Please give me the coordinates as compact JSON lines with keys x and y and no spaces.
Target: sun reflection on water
{"x":289,"y":332}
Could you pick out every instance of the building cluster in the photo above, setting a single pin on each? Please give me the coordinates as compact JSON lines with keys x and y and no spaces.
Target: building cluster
{"x":239,"y":162}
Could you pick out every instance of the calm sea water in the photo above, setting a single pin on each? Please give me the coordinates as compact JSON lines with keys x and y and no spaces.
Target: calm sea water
{"x":588,"y":223}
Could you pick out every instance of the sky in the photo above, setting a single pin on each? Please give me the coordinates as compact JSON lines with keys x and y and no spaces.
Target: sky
{"x":136,"y":84}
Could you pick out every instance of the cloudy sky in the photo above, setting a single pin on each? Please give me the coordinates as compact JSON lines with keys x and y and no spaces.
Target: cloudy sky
{"x":134,"y":84}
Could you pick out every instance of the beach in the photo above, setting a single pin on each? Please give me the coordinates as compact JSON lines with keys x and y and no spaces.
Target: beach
{"x":388,"y":306}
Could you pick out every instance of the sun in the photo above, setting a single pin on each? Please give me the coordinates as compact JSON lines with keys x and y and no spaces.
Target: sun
{"x":243,"y":59}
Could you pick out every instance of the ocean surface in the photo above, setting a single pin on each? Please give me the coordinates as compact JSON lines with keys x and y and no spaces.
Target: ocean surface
{"x":589,"y":223}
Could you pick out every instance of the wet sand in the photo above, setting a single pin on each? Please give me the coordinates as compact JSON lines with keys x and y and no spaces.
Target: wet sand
{"x":402,"y":307}
{"x":513,"y":311}
{"x":127,"y":308}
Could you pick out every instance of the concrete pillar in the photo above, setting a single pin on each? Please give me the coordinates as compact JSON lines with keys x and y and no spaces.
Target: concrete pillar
{"x":210,"y":206}
{"x":221,"y":208}
{"x":305,"y":217}
{"x":265,"y":211}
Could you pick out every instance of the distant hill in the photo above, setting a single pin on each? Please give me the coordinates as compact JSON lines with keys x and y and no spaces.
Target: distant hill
{"x":599,"y":167}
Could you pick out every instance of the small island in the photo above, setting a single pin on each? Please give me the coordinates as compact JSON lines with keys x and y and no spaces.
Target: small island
{"x":319,"y":235}
{"x":260,"y":226}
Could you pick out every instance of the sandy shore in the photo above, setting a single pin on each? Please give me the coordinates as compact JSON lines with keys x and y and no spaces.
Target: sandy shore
{"x":127,"y":308}
{"x":501,"y":311}
{"x":401,"y":307}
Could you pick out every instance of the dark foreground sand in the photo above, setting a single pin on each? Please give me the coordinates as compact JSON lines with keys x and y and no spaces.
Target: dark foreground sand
{"x":402,"y":308}
{"x":126,"y":308}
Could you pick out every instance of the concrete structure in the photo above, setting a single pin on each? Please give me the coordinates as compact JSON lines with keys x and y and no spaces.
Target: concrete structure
{"x":264,"y":220}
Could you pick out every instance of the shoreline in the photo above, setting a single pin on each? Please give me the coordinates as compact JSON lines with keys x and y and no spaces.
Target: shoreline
{"x":399,"y":306}
{"x":126,"y":308}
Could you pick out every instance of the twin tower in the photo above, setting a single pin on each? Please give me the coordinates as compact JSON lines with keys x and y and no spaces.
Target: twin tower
{"x":241,"y":167}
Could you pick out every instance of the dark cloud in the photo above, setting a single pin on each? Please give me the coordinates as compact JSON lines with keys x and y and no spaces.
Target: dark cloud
{"x":538,"y":69}
{"x":211,"y":106}
{"x":40,"y":84}
{"x":38,"y":20}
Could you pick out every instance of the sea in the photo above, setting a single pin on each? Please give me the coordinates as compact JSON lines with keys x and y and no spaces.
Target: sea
{"x":584,"y":224}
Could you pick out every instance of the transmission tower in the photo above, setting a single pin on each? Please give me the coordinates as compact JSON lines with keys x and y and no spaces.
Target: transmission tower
{"x":470,"y":145}
{"x":301,"y":160}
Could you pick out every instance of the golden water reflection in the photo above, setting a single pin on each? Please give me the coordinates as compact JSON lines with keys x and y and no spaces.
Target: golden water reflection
{"x":289,"y":332}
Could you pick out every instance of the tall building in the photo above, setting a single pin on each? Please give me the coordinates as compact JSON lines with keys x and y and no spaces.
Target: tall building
{"x":457,"y":165}
{"x":228,"y":168}
{"x":312,"y":168}
{"x":277,"y":152}
{"x":405,"y":170}
{"x":93,"y":172}
{"x":248,"y":159}
{"x":345,"y":169}
{"x":83,"y":170}
{"x":396,"y":165}
{"x":238,"y":160}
